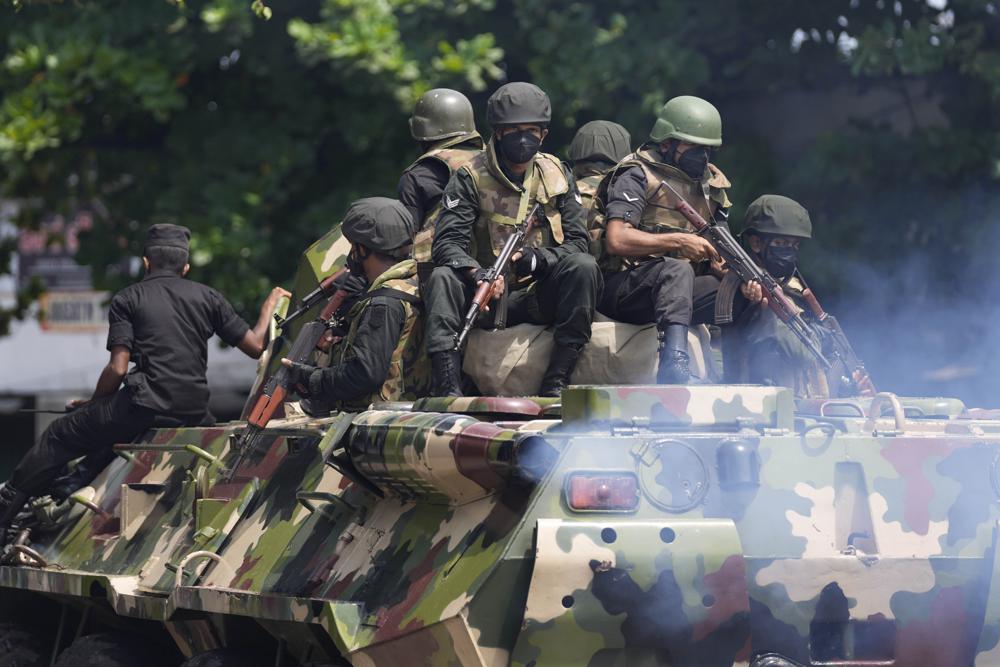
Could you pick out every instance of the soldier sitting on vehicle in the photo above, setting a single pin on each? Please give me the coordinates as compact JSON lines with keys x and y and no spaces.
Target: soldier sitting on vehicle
{"x":382,"y":356}
{"x":758,"y":348}
{"x":556,"y":281}
{"x":656,"y":270}
{"x":444,"y":124}
{"x":161,"y":324}
{"x":596,"y":148}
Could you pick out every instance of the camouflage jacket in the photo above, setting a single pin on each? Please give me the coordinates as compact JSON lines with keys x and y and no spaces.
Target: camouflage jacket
{"x":654,"y":209}
{"x":384,"y":346}
{"x":482,"y":205}
{"x":588,"y":177}
{"x":451,"y":154}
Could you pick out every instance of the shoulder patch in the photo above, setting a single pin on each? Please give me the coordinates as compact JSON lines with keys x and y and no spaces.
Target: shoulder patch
{"x":449,"y":202}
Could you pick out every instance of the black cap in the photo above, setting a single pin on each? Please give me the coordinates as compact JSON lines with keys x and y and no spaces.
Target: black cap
{"x":379,"y":223}
{"x":167,"y":235}
{"x":518,"y":103}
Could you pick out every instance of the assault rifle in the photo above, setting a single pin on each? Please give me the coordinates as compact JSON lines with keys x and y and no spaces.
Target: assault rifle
{"x":326,"y":289}
{"x":278,"y":386}
{"x":743,"y":265}
{"x":842,"y":349}
{"x":485,"y":290}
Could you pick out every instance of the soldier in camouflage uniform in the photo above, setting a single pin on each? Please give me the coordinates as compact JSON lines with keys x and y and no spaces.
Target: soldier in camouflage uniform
{"x":556,"y":281}
{"x":382,"y":357}
{"x":596,"y":148}
{"x":444,"y":125}
{"x":758,"y":348}
{"x":656,"y":270}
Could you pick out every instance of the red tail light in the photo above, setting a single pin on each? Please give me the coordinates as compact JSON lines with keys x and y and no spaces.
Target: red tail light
{"x":602,"y":491}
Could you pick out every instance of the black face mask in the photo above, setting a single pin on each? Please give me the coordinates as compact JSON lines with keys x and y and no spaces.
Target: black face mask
{"x":519,"y":147}
{"x":780,"y":262}
{"x":694,"y":162}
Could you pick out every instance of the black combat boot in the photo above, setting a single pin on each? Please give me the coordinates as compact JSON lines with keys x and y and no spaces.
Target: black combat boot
{"x":561,"y":365}
{"x":674,"y":355}
{"x":446,"y":368}
{"x":12,"y":502}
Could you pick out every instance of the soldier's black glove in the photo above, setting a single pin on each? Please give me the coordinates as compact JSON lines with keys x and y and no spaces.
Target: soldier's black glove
{"x":531,"y":263}
{"x":299,"y":375}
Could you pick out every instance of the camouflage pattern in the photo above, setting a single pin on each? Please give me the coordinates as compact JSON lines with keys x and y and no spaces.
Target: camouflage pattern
{"x":409,"y":368}
{"x":452,"y":153}
{"x":660,"y":216}
{"x":503,"y":204}
{"x":726,"y":524}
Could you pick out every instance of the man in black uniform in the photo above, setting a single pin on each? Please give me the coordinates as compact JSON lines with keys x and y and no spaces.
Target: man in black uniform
{"x":556,"y":281}
{"x":162,"y":324}
{"x":657,"y":271}
{"x":444,"y":124}
{"x":382,"y":357}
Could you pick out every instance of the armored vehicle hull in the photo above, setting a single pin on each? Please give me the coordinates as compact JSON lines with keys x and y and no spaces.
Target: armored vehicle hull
{"x":696,"y":526}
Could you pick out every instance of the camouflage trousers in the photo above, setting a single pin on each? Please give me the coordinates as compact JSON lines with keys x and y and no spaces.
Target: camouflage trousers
{"x":566,"y":298}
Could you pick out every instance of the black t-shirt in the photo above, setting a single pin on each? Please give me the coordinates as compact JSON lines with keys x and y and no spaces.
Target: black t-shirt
{"x":165,"y":321}
{"x":420,"y":188}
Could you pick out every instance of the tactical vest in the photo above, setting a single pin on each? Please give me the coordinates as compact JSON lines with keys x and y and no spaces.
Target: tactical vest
{"x":409,"y":367}
{"x":588,"y":177}
{"x":661,"y":214}
{"x":452,"y":153}
{"x":504,"y":204}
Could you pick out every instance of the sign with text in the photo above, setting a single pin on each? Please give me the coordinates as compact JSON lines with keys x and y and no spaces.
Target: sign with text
{"x":74,"y":311}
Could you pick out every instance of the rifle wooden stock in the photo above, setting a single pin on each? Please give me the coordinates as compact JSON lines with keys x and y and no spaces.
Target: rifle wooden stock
{"x":278,"y":386}
{"x":484,"y":291}
{"x":842,"y":347}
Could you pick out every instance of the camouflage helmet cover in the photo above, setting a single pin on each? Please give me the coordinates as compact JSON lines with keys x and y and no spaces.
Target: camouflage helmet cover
{"x":690,"y":119}
{"x":774,"y":214}
{"x":442,"y":113}
{"x":517,"y":103}
{"x":600,"y":140}
{"x":379,"y":223}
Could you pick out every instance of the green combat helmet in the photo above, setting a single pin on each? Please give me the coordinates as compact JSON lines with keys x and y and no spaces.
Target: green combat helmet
{"x":442,"y":113}
{"x":378,"y":223}
{"x":774,"y":214}
{"x":518,"y":103}
{"x":690,"y":119}
{"x":600,"y":140}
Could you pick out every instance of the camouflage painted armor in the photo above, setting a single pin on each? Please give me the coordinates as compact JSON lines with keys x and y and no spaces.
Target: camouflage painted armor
{"x":660,"y":216}
{"x":503,"y":204}
{"x":452,"y":153}
{"x":409,"y":371}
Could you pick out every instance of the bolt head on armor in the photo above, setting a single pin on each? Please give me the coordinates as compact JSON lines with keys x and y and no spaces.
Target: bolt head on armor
{"x":774,"y":214}
{"x":442,"y":113}
{"x":690,"y":119}
{"x":379,"y":223}
{"x":518,"y":103}
{"x":600,"y":140}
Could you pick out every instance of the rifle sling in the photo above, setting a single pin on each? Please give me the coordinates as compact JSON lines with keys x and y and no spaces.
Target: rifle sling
{"x":394,"y":294}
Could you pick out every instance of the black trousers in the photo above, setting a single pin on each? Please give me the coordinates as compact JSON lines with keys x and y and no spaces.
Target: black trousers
{"x":566,"y":298}
{"x":89,"y":430}
{"x":663,"y":291}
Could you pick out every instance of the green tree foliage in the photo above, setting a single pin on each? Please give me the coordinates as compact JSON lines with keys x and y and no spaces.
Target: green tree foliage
{"x":256,"y":123}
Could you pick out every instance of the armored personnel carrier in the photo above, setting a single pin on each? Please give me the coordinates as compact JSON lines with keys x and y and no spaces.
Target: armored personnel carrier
{"x":619,"y":525}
